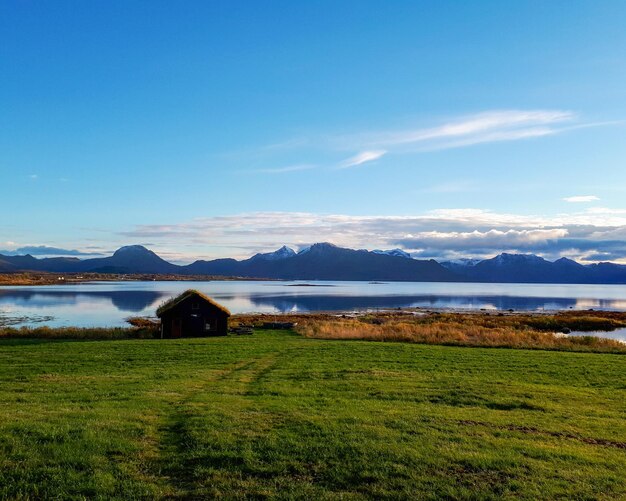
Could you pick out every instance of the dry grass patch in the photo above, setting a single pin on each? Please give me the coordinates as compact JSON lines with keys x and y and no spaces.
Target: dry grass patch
{"x":458,"y":330}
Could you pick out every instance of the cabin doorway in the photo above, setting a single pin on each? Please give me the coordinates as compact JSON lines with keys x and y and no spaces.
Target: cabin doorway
{"x":177,"y":327}
{"x":196,"y":325}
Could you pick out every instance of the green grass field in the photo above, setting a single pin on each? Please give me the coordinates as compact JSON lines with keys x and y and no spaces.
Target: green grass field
{"x":278,"y":415}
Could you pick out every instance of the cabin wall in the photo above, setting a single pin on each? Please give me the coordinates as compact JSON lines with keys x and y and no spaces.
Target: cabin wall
{"x":190,"y":318}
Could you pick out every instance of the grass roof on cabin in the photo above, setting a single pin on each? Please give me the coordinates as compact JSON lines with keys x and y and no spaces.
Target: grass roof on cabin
{"x":171,"y":303}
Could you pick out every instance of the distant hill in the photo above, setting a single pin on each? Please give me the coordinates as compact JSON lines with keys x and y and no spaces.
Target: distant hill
{"x":129,"y":259}
{"x":324,"y":261}
{"x":6,"y":266}
{"x":608,"y":273}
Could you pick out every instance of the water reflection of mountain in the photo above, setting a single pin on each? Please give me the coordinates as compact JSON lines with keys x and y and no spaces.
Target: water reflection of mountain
{"x":86,"y":302}
{"x":129,"y":301}
{"x":330,"y":303}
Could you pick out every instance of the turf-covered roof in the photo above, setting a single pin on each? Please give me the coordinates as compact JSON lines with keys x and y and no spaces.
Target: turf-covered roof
{"x":171,"y":303}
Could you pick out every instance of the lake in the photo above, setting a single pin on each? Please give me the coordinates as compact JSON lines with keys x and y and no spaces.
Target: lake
{"x":109,"y":303}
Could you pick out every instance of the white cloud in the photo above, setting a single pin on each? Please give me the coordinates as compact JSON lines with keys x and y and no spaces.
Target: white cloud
{"x":492,"y":239}
{"x":581,"y":199}
{"x":34,"y":177}
{"x":605,"y":211}
{"x":361,"y":158}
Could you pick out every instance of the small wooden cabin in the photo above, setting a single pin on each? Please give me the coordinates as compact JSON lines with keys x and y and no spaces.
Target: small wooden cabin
{"x":192,"y":314}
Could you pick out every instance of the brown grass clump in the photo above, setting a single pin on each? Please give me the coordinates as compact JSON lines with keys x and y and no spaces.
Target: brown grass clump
{"x":82,"y":333}
{"x":475,"y":331}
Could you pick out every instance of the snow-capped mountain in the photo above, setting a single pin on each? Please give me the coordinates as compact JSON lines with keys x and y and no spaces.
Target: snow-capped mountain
{"x":325,"y":261}
{"x":393,"y":252}
{"x":460,"y":265}
{"x":282,"y":253}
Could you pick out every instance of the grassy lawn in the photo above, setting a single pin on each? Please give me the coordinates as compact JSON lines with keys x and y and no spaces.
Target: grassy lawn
{"x":278,"y":415}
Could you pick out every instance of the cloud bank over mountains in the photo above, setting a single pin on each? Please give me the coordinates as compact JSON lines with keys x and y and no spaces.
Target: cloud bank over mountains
{"x":595,"y":234}
{"x":46,"y":251}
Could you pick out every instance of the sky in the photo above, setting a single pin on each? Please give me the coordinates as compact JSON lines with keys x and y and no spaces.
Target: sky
{"x":212,"y":129}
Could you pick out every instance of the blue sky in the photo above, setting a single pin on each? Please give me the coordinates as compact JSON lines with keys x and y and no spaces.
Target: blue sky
{"x":207,"y":129}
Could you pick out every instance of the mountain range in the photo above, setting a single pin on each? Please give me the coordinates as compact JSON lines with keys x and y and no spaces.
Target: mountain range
{"x":320,"y":261}
{"x":528,"y":268}
{"x":324,"y":261}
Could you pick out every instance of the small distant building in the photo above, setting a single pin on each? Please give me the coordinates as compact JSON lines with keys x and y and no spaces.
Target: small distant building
{"x":192,"y":314}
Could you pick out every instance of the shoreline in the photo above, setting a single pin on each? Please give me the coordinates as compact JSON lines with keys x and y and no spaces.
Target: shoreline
{"x":18,"y":321}
{"x":46,"y":278}
{"x":564,"y":331}
{"x":386,"y":313}
{"x":26,"y":278}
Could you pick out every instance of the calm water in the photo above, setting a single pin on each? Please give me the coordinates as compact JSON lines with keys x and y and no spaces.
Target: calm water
{"x":108,"y":304}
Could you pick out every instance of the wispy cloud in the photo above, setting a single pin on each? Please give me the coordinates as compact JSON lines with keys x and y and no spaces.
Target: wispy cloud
{"x":486,"y":127}
{"x":511,"y":124}
{"x":361,"y":158}
{"x":34,"y":177}
{"x":286,"y":169}
{"x":581,"y":199}
{"x":492,"y":126}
